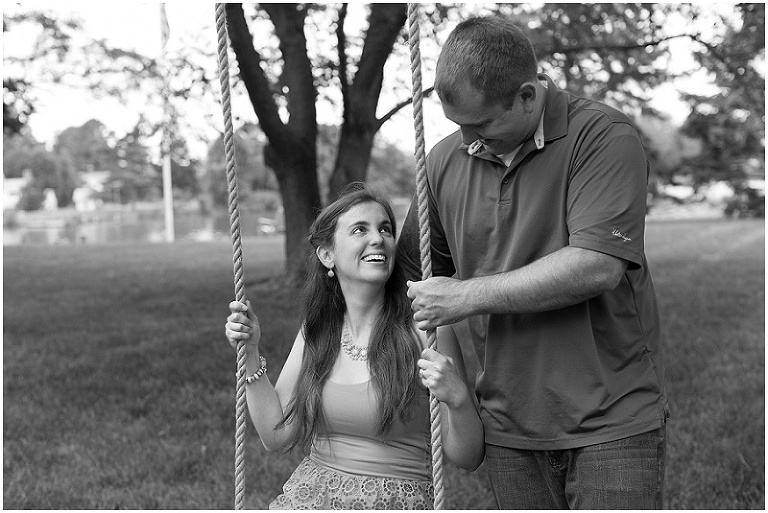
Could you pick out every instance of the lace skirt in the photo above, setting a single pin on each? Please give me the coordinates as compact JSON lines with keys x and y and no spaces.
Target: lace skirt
{"x":314,"y":487}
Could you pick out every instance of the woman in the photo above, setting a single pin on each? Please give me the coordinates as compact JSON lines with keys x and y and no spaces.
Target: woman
{"x":354,"y":386}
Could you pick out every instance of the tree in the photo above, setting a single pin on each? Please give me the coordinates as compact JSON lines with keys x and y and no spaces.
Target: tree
{"x":604,"y":51}
{"x":132,"y":153}
{"x":16,"y":151}
{"x":49,"y":171}
{"x":24,"y":155}
{"x":392,"y":169}
{"x":90,"y":147}
{"x":184,"y":169}
{"x":666,"y":148}
{"x":134,"y":178}
{"x":731,"y":123}
{"x":17,"y":106}
{"x":251,"y":172}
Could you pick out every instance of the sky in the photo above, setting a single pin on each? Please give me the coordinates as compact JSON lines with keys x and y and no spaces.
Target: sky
{"x":133,"y":25}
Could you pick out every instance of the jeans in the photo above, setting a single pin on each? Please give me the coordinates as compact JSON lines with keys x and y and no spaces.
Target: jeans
{"x":623,"y":474}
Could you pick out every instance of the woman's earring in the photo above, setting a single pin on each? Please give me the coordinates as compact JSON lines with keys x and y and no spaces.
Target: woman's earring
{"x":331,"y":274}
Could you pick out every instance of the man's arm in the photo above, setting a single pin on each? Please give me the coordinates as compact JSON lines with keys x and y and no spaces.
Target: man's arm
{"x":564,"y":278}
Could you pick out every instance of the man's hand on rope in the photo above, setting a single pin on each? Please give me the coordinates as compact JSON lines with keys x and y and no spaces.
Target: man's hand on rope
{"x":437,"y":301}
{"x":240,"y":326}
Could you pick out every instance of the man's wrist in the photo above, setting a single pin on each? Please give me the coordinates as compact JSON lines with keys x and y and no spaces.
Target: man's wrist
{"x":473,"y":296}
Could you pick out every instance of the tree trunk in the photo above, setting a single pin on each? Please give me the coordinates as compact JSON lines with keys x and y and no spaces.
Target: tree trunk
{"x":354,"y":154}
{"x":301,"y":200}
{"x":361,"y":97}
{"x":291,"y":152}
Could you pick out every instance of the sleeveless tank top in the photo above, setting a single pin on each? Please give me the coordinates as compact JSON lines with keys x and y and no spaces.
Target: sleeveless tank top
{"x":350,"y":443}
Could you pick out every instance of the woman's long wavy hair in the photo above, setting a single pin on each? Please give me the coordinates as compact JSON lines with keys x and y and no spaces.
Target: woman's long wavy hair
{"x":394,"y":346}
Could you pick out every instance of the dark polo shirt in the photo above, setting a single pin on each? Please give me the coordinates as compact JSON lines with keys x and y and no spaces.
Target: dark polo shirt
{"x":579,"y":375}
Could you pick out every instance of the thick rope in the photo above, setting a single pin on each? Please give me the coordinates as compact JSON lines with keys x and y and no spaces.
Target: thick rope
{"x":424,"y":240}
{"x":237,"y":249}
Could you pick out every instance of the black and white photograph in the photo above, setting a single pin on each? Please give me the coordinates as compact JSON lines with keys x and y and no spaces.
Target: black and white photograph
{"x":395,"y":256}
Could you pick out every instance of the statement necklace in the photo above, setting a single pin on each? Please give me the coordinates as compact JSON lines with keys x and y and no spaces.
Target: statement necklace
{"x":353,"y":351}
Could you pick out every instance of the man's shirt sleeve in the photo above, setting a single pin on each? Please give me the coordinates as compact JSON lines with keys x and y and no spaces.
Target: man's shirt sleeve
{"x":607,"y":193}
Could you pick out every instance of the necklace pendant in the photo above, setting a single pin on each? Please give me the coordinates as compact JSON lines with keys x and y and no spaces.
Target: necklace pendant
{"x":355,"y":352}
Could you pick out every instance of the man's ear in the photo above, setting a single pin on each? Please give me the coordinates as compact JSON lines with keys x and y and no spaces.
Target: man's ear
{"x":325,"y":255}
{"x":527,"y":94}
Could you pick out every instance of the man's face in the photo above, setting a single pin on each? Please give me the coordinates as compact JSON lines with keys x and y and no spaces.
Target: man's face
{"x":500,"y":129}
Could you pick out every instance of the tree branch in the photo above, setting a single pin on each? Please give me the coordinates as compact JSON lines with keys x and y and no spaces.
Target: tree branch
{"x":341,"y":39}
{"x":386,"y":21}
{"x":753,"y":96}
{"x":383,"y":119}
{"x":288,"y":20}
{"x":253,"y":76}
{"x":577,"y":49}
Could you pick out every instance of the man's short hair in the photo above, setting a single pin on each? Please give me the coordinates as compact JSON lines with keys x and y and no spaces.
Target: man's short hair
{"x":491,"y":54}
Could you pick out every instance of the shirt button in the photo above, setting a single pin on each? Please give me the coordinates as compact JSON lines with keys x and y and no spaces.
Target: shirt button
{"x":505,"y":181}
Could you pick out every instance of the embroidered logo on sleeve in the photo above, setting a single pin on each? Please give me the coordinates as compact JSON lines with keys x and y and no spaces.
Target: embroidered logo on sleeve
{"x":617,"y":233}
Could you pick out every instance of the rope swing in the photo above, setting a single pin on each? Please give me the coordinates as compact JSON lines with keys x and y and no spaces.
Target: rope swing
{"x":237,"y":248}
{"x":237,"y":257}
{"x":424,"y":238}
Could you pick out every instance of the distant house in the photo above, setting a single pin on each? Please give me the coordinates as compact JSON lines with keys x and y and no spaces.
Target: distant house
{"x":88,"y":196}
{"x":12,"y":188}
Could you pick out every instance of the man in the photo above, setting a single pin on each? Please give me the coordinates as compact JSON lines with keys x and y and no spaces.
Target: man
{"x":537,"y":213}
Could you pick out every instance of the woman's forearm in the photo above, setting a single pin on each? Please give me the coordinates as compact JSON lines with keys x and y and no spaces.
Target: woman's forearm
{"x":264,"y":406}
{"x":462,"y":433}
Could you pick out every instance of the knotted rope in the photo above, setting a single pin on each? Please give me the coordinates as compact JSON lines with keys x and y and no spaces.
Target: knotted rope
{"x":237,"y":248}
{"x":424,"y":240}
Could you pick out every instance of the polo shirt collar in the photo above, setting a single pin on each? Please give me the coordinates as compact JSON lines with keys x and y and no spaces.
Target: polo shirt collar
{"x":555,"y":111}
{"x":538,"y":135}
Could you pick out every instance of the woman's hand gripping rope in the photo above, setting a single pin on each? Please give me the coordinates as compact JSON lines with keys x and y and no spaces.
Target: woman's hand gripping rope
{"x":439,"y":374}
{"x":242,"y":324}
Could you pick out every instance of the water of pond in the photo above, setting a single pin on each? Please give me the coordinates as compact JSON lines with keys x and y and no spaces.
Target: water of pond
{"x":127,"y":226}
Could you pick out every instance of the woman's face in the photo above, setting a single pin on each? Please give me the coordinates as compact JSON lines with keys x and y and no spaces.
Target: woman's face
{"x":363,"y":245}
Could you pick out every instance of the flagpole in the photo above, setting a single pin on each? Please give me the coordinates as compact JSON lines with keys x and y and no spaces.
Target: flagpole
{"x":170,"y":234}
{"x":165,"y":145}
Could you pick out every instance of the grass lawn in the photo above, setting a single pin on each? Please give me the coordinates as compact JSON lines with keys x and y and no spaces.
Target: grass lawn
{"x":118,"y":383}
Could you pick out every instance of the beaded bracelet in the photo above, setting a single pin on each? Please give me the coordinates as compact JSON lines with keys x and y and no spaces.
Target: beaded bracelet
{"x":256,"y":375}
